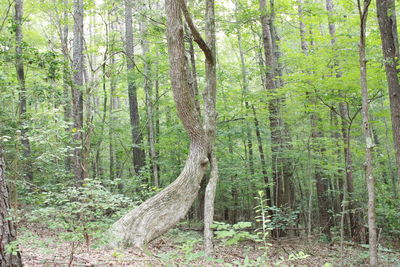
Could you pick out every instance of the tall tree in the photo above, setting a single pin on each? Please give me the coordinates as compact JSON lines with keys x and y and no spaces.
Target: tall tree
{"x":19,"y":65}
{"x":149,"y":101}
{"x":66,"y":80}
{"x":158,"y":214}
{"x":137,"y":140}
{"x":346,"y":124}
{"x":8,"y":231}
{"x":386,"y":10}
{"x":210,"y":123}
{"x":369,"y":140}
{"x":316,"y":136}
{"x":283,"y":192}
{"x":77,"y":92}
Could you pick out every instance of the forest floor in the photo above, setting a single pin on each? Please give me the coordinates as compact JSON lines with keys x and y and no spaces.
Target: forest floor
{"x":44,"y":247}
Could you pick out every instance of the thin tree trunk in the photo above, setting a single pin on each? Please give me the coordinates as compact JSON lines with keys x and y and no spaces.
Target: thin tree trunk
{"x":210,"y":125}
{"x":245,"y":89}
{"x":316,"y":136}
{"x":111,"y":112}
{"x":373,"y":257}
{"x":281,"y":181}
{"x":77,"y":89}
{"x":8,"y":233}
{"x":390,"y":46}
{"x":19,"y":65}
{"x":157,"y":117}
{"x":149,"y":104}
{"x":137,"y":150}
{"x":262,"y":159}
{"x":66,"y":84}
{"x":346,"y":136}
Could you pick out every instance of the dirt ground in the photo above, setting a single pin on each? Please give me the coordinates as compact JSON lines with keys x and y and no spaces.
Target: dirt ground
{"x":43,"y":247}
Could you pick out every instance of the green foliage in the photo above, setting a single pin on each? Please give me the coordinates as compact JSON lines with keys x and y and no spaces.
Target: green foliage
{"x":12,"y":248}
{"x":233,"y":234}
{"x":293,"y":256}
{"x":264,"y":219}
{"x":80,"y":211}
{"x":281,"y":218}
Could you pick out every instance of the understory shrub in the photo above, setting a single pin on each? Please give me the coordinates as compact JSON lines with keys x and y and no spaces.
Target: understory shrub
{"x":80,"y":211}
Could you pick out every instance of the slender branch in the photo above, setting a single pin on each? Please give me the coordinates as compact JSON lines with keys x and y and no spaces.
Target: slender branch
{"x":196,"y":35}
{"x":6,"y":14}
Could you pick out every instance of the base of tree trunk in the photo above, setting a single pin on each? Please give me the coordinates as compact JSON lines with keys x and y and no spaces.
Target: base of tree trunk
{"x":160,"y":213}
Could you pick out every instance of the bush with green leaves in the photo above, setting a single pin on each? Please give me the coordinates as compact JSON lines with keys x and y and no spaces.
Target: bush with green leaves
{"x":281,"y":219}
{"x":233,"y":234}
{"x":80,"y":211}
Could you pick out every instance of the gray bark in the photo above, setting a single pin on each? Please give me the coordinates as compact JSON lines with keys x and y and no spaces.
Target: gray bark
{"x":210,"y":121}
{"x":369,"y":141}
{"x":161,"y":212}
{"x":77,"y":91}
{"x":66,"y":83}
{"x":113,"y":83}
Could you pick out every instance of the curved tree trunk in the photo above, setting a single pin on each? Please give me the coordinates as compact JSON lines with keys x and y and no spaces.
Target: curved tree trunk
{"x":159,"y":213}
{"x":7,"y":228}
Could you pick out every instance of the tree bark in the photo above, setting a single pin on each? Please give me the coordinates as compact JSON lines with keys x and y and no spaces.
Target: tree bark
{"x":77,"y":92}
{"x":159,"y":213}
{"x":363,"y":12}
{"x":19,"y":65}
{"x":210,"y":123}
{"x":111,"y":106}
{"x":137,"y":140}
{"x":8,"y":233}
{"x":390,"y":46}
{"x":193,"y":73}
{"x":282,"y":189}
{"x":66,"y":85}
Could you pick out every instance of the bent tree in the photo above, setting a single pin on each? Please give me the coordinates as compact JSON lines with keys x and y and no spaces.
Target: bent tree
{"x":161,"y":212}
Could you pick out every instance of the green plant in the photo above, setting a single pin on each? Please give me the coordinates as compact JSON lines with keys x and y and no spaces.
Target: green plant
{"x":12,"y":248}
{"x":264,"y":219}
{"x":80,"y":211}
{"x":293,"y":256}
{"x":233,"y":234}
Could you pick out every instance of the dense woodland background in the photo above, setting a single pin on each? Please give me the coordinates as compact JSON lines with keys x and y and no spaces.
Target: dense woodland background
{"x":89,"y":127}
